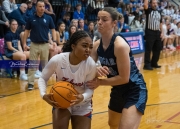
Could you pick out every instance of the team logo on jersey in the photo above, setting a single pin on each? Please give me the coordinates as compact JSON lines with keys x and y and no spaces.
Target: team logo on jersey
{"x":44,"y":20}
{"x":72,"y":82}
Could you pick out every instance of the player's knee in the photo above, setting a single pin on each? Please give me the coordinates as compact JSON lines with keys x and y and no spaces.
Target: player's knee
{"x":23,"y":56}
{"x":113,"y":125}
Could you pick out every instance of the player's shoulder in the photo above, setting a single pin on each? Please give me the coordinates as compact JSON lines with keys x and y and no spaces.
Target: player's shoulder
{"x":60,"y":56}
{"x":90,"y":62}
{"x":121,"y":43}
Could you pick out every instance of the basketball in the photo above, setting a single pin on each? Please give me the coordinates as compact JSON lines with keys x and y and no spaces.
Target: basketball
{"x":63,"y":93}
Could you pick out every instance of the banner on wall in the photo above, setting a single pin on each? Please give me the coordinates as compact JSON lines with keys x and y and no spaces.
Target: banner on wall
{"x":135,"y":40}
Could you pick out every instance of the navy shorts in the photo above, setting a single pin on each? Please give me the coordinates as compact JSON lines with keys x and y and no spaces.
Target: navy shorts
{"x":126,"y":96}
{"x":9,"y":53}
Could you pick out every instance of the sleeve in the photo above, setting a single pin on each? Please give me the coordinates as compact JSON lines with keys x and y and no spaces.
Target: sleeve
{"x":51,"y":23}
{"x":138,"y":25}
{"x":21,"y":20}
{"x":46,"y":74}
{"x":75,"y":16}
{"x":4,"y":17}
{"x":28,"y":24}
{"x":7,"y":37}
{"x":6,"y":7}
{"x":146,"y":11}
{"x":18,"y":36}
{"x":66,"y":35}
{"x":14,"y":6}
{"x":90,"y":76}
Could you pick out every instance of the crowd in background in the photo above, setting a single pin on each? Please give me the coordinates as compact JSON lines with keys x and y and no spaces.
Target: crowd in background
{"x":81,"y":15}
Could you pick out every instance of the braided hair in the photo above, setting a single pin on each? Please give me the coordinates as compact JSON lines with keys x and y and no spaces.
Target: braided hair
{"x":74,"y":40}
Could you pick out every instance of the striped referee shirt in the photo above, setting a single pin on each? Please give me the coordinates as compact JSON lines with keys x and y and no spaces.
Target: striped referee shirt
{"x":153,"y":18}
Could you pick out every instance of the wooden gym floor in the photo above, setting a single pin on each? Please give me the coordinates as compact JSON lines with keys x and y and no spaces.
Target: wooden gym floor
{"x":22,"y":109}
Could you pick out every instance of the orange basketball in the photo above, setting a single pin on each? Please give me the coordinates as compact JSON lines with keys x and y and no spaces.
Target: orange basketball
{"x":63,"y":93}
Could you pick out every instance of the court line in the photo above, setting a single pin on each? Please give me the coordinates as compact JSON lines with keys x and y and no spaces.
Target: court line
{"x":172,"y":117}
{"x":162,"y":103}
{"x":107,"y":111}
{"x":51,"y":123}
{"x":3,"y":96}
{"x":172,"y":122}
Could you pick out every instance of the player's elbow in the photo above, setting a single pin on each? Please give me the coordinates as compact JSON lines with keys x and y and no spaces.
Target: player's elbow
{"x":125,"y":80}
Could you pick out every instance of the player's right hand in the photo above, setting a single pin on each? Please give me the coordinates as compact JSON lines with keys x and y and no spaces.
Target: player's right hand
{"x":102,"y":71}
{"x":47,"y":98}
{"x":26,"y":47}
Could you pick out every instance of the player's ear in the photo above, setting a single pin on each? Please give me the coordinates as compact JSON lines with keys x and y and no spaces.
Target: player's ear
{"x":72,"y":46}
{"x":114,"y":23}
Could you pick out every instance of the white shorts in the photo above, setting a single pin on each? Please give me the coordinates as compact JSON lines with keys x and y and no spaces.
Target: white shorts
{"x":81,"y":110}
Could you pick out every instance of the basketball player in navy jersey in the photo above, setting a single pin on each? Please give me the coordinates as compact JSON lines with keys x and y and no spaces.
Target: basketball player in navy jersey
{"x":128,"y":94}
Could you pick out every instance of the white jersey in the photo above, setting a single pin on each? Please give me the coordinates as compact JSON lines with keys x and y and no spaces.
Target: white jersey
{"x":85,"y":71}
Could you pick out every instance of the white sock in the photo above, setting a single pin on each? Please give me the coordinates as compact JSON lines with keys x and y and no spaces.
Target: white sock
{"x":22,"y":72}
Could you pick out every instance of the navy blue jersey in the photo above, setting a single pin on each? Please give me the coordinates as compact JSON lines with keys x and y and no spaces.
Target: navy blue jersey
{"x":107,"y":58}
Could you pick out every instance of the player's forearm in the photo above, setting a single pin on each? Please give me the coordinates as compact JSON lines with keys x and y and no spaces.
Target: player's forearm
{"x":87,"y":94}
{"x":53,"y":34}
{"x":42,"y":86}
{"x":145,"y":4}
{"x":114,"y":81}
{"x":26,"y":33}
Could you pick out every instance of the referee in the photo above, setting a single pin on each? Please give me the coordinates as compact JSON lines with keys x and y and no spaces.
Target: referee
{"x":153,"y":35}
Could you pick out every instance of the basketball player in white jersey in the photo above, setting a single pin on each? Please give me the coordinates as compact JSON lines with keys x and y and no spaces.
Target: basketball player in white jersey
{"x":77,"y":67}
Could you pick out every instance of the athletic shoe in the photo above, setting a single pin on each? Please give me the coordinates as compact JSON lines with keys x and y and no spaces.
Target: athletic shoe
{"x":147,"y":67}
{"x":36,"y":76}
{"x":23,"y":77}
{"x":30,"y":87}
{"x":39,"y":73}
{"x":156,"y":66}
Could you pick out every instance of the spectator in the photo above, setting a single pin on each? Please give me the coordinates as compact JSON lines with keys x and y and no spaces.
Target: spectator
{"x":74,"y":22}
{"x":49,"y":10}
{"x":91,"y":29}
{"x":18,"y":15}
{"x":71,"y":31}
{"x":164,"y":37}
{"x":60,"y":35}
{"x":4,"y":23}
{"x":174,"y":32}
{"x":66,"y":20}
{"x":13,"y":49}
{"x":34,"y":4}
{"x":170,"y":36}
{"x":30,"y":10}
{"x":66,"y":9}
{"x":136,"y":25}
{"x":78,"y":14}
{"x":122,"y":6}
{"x":178,"y":33}
{"x":38,"y":26}
{"x":8,"y":6}
{"x":82,"y":26}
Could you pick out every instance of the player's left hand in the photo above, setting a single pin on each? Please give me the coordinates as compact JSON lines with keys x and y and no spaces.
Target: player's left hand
{"x":79,"y":98}
{"x":93,"y":84}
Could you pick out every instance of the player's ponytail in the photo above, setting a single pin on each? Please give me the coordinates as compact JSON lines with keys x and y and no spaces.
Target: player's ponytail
{"x":74,"y":40}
